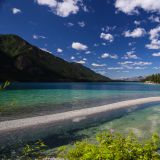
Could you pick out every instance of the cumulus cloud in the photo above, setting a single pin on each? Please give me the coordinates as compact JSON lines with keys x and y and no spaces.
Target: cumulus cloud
{"x":62,"y":8}
{"x":88,"y":52}
{"x":59,"y":50}
{"x":79,"y":46}
{"x":154,"y":38}
{"x":70,"y":24}
{"x":153,"y":18}
{"x":135,"y":65}
{"x":107,"y":55}
{"x":81,"y":62}
{"x":137,"y":22}
{"x":16,"y":11}
{"x":107,"y":37}
{"x":98,"y":65}
{"x":133,"y":6}
{"x":72,"y":58}
{"x":130,"y":55}
{"x":81,"y":24}
{"x":115,"y":68}
{"x":156,"y":54}
{"x":136,"y":33}
{"x":38,"y":37}
{"x":108,"y":28}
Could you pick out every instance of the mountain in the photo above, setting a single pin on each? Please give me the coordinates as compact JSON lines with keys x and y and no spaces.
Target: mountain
{"x":134,"y":79}
{"x":21,"y":61}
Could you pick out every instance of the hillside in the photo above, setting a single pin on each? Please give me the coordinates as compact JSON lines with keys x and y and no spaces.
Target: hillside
{"x":21,"y":61}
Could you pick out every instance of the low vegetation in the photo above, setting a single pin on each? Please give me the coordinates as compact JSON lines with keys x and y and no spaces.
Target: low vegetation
{"x":113,"y":146}
{"x":107,"y":146}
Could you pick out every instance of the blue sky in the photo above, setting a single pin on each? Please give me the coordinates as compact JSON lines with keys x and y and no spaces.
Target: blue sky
{"x":117,"y":38}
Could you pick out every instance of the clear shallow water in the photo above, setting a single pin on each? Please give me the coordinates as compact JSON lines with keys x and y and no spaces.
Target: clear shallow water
{"x":30,"y":99}
{"x":142,"y":122}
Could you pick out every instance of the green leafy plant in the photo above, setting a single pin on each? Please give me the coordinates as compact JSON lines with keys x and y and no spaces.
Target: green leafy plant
{"x":113,"y":146}
{"x":4,"y":85}
{"x":34,"y":151}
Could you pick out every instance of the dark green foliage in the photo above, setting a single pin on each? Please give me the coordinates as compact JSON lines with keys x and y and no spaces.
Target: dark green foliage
{"x":4,"y":85}
{"x":113,"y":146}
{"x":21,"y":61}
{"x":153,"y":78}
{"x":35,"y":151}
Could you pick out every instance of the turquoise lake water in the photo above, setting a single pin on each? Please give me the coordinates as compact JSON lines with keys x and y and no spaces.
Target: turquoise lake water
{"x":31,"y":99}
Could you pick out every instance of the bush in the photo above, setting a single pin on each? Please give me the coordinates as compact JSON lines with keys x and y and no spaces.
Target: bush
{"x":113,"y":146}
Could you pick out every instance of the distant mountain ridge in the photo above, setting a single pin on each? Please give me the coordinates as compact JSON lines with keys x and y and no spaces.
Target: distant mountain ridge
{"x":21,"y":61}
{"x":134,"y":79}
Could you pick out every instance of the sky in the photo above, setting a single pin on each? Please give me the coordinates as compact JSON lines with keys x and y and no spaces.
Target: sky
{"x":116,"y":38}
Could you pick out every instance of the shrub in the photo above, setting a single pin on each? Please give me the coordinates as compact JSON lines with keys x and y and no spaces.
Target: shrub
{"x":113,"y":146}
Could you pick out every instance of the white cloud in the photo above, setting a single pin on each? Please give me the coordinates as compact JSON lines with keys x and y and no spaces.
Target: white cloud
{"x":16,"y":11}
{"x":130,"y":55}
{"x":132,"y":6}
{"x":81,"y":24}
{"x":136,"y":33}
{"x":156,"y":67}
{"x":107,"y":37}
{"x":81,"y":62}
{"x":115,"y":68}
{"x":107,"y":55}
{"x":70,"y":24}
{"x":131,"y":43}
{"x":46,"y":50}
{"x":79,"y":46}
{"x":62,"y":8}
{"x":72,"y":58}
{"x":135,"y":65}
{"x":156,"y":54}
{"x":49,"y":3}
{"x":98,"y":65}
{"x":137,"y":22}
{"x":139,"y":68}
{"x":152,"y":18}
{"x":59,"y":50}
{"x":38,"y":37}
{"x":88,"y":52}
{"x":154,"y":37}
{"x":108,"y":28}
{"x":85,"y":59}
{"x":139,"y":63}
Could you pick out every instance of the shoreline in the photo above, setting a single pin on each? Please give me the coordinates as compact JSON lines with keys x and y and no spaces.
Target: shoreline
{"x":75,"y":116}
{"x":150,"y":82}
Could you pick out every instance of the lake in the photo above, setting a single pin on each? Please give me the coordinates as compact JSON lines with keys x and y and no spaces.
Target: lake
{"x":21,"y":100}
{"x":31,"y":99}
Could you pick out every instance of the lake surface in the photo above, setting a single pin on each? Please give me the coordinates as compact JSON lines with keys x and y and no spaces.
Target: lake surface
{"x":31,"y":99}
{"x":21,"y":100}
